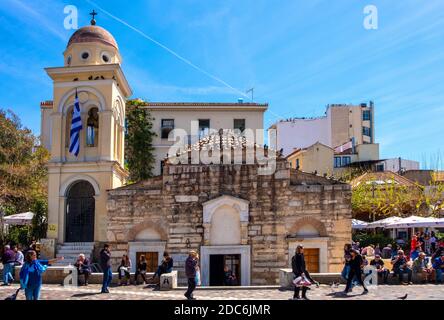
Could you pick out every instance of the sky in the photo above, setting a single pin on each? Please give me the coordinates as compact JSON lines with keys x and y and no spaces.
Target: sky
{"x":298,"y":55}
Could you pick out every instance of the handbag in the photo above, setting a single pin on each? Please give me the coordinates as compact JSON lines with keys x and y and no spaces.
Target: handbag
{"x":197,"y":278}
{"x":123,"y":270}
{"x":302,"y":281}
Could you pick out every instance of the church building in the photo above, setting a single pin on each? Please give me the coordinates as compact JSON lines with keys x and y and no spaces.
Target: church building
{"x":230,"y":213}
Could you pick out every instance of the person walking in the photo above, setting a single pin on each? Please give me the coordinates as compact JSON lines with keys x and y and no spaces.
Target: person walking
{"x":191,"y":270}
{"x":347,"y":257}
{"x":31,"y":274}
{"x":300,"y":270}
{"x":8,"y":260}
{"x":105,"y":264}
{"x":141,"y":270}
{"x":355,"y":271}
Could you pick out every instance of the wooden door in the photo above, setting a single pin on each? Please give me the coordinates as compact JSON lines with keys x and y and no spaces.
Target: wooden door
{"x":152,"y":260}
{"x":312,"y":260}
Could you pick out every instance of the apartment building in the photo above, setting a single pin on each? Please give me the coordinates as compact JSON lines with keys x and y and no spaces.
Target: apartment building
{"x":204,"y":116}
{"x":342,"y":123}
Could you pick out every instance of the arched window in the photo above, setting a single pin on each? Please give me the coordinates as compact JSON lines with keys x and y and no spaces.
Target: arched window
{"x":68,"y":126}
{"x":92,"y":128}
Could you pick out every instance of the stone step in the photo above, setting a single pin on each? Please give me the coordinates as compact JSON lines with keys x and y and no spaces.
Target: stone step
{"x":77,"y":244}
{"x":75,"y":247}
{"x":71,"y":256}
{"x":73,"y":251}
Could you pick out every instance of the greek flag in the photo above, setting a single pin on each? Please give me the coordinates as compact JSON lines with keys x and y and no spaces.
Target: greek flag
{"x":76,"y":126}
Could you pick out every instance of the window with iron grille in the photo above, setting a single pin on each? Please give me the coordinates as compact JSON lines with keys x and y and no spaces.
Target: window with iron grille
{"x":166,"y":127}
{"x":239,"y":124}
{"x":204,"y":127}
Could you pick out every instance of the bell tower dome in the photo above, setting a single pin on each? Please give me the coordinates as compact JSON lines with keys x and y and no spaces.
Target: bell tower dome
{"x":91,"y":45}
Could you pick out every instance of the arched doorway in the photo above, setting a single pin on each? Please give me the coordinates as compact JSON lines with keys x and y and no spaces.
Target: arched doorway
{"x":80,"y":212}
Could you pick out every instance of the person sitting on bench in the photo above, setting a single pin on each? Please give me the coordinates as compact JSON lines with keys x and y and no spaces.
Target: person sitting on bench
{"x":83,"y":268}
{"x":165,"y":267}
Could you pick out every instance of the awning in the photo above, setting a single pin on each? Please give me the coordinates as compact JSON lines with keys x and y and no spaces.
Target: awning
{"x":19,"y":219}
{"x":383,"y":223}
{"x":359,"y":224}
{"x":417,"y":222}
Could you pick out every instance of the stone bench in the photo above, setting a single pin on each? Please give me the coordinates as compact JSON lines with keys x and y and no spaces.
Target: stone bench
{"x":286,"y":277}
{"x":168,"y":281}
{"x":57,"y":275}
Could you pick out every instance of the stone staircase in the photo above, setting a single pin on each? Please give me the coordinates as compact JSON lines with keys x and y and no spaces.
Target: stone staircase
{"x":71,"y":250}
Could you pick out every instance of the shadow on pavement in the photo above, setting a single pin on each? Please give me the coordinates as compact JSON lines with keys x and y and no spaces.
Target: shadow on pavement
{"x":340,"y":294}
{"x":88,"y":294}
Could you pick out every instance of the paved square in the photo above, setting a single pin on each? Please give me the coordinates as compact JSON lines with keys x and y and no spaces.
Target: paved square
{"x":324,"y":292}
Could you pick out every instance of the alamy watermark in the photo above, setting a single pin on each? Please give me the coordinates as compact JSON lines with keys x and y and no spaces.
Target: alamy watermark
{"x":371,"y":18}
{"x":72,"y":279}
{"x":71,"y":21}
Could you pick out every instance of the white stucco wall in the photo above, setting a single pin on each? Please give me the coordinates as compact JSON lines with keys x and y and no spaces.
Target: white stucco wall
{"x":393,"y":165}
{"x":302,"y":133}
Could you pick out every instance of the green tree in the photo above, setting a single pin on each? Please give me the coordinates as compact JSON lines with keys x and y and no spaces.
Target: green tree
{"x":432,"y":199}
{"x":139,"y":150}
{"x":39,"y":224}
{"x":372,"y":201}
{"x":23,"y":174}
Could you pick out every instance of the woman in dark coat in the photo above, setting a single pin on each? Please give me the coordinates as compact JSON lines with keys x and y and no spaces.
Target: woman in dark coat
{"x":299,"y":269}
{"x":355,"y":263}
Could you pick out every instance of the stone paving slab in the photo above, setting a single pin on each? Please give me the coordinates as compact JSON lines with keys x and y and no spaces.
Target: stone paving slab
{"x":324,"y":292}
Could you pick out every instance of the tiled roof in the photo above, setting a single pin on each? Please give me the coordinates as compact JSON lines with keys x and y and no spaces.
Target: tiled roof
{"x":224,"y":141}
{"x":47,"y":103}
{"x":381,"y":178}
{"x":92,"y":34}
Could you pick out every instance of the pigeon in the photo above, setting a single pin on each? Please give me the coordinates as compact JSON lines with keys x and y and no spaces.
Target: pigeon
{"x":404,"y":297}
{"x":13,"y":296}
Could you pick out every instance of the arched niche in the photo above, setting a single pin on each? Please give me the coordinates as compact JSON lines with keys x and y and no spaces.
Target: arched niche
{"x":225,"y":227}
{"x":148,"y":234}
{"x":225,"y":221}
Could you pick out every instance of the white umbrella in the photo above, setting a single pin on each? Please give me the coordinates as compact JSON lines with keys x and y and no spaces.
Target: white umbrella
{"x":359,"y":224}
{"x":384,"y":222}
{"x":19,"y":219}
{"x":417,"y":222}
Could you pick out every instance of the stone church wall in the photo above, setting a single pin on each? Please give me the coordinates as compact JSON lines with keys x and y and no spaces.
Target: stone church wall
{"x":172,"y":205}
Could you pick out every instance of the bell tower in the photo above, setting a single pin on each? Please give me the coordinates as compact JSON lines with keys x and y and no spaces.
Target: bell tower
{"x":78,"y":184}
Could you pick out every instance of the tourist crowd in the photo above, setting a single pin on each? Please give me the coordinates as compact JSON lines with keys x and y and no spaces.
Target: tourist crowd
{"x":423,"y":260}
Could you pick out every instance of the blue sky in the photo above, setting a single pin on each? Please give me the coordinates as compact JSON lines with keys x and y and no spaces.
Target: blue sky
{"x":298,"y":55}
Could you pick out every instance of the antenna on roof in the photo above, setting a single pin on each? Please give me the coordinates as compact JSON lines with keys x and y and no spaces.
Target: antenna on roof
{"x":252,"y":93}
